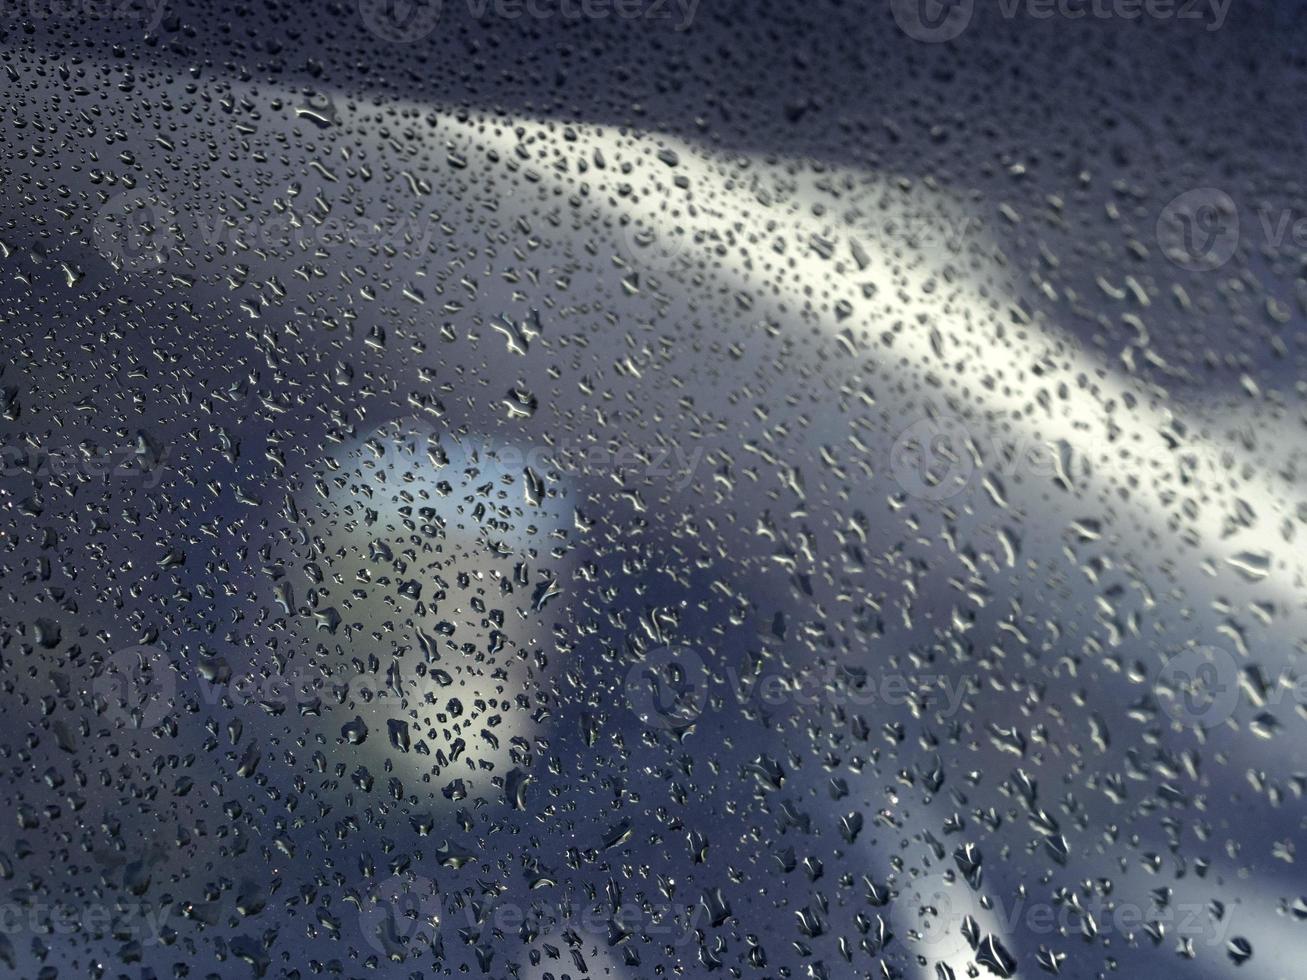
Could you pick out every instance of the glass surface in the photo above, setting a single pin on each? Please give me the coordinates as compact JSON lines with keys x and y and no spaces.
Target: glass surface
{"x":559,"y":489}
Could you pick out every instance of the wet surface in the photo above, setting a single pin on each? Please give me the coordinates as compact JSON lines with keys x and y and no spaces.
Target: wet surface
{"x":628,"y":490}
